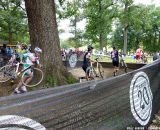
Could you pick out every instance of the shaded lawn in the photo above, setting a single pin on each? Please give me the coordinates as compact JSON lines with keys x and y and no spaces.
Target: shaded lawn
{"x":127,"y":59}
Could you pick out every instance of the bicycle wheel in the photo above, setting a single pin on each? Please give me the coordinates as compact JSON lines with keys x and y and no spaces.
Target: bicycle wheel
{"x":125,"y":67}
{"x":35,"y":80}
{"x":6,"y":73}
{"x":101,"y":70}
{"x":145,"y":60}
{"x":122,"y":63}
{"x":90,"y":73}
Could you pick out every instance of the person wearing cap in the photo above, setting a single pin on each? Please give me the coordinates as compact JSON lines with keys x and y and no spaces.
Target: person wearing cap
{"x":30,"y":60}
{"x":87,"y":60}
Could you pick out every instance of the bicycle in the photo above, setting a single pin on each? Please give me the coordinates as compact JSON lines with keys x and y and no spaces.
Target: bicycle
{"x":144,"y":59}
{"x":123,"y":64}
{"x":11,"y":71}
{"x":95,"y":71}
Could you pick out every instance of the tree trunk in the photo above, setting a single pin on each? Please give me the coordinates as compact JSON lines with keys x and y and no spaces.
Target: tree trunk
{"x":125,"y":40}
{"x":159,"y":39}
{"x":44,"y":34}
{"x":106,"y":43}
{"x":101,"y":41}
{"x":125,"y":31}
{"x":10,"y":37}
{"x":75,"y":27}
{"x":10,"y":34}
{"x":9,"y":25}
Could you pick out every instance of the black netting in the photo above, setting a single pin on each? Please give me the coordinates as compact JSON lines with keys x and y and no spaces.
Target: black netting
{"x":78,"y":106}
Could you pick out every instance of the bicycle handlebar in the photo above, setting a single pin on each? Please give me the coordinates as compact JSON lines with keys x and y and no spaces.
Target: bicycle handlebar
{"x":97,"y":59}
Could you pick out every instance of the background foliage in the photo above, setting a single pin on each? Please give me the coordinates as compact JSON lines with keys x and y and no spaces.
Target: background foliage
{"x":106,"y":21}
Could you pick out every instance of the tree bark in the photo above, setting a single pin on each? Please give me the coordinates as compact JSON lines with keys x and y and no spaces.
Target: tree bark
{"x":101,"y":37}
{"x":125,"y":31}
{"x":44,"y":34}
{"x":159,"y":38}
{"x":101,"y":41}
{"x":125,"y":39}
{"x":10,"y":36}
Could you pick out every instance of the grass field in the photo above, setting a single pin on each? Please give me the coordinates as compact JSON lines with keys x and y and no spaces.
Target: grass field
{"x":127,"y":59}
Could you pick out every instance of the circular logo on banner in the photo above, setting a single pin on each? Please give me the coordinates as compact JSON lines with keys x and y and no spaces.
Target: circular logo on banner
{"x":13,"y":122}
{"x":73,"y":60}
{"x":141,"y":98}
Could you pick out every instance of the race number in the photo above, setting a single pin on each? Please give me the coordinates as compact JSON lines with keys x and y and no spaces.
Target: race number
{"x":141,"y":98}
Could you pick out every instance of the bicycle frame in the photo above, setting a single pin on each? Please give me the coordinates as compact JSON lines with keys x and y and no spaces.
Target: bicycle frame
{"x":93,"y":70}
{"x":97,"y":65}
{"x":123,"y":64}
{"x":17,"y":68}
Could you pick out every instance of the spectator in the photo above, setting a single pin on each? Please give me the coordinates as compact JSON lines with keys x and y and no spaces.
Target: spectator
{"x":4,"y":49}
{"x":134,"y":58}
{"x":139,"y":53}
{"x":9,"y":52}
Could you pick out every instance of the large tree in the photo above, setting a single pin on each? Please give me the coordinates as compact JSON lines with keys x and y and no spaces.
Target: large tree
{"x":143,"y":28}
{"x":44,"y":33}
{"x":72,"y":10}
{"x":125,"y":19}
{"x":99,"y":14}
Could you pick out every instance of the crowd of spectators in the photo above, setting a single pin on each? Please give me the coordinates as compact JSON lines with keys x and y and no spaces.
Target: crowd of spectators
{"x":6,"y":51}
{"x":66,"y":53}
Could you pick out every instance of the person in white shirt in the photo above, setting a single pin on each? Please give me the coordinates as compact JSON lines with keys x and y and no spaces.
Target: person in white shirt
{"x":30,"y":59}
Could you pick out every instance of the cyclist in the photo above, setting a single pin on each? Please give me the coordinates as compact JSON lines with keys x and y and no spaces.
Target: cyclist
{"x":115,"y":60}
{"x":87,"y":61}
{"x":30,"y":60}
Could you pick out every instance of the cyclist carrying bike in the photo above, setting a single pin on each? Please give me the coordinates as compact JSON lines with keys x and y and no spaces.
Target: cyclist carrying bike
{"x":115,"y":60}
{"x":30,"y":60}
{"x":87,"y":61}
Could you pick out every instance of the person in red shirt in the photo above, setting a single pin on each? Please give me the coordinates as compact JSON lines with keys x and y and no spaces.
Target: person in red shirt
{"x":139,"y":53}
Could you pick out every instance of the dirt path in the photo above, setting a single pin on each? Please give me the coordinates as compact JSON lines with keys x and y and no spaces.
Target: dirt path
{"x":108,"y":72}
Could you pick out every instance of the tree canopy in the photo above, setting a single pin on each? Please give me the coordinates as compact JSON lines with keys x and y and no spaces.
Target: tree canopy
{"x":13,"y":25}
{"x":107,"y":22}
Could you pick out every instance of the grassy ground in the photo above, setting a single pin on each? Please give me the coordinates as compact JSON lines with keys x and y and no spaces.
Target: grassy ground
{"x":127,"y":59}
